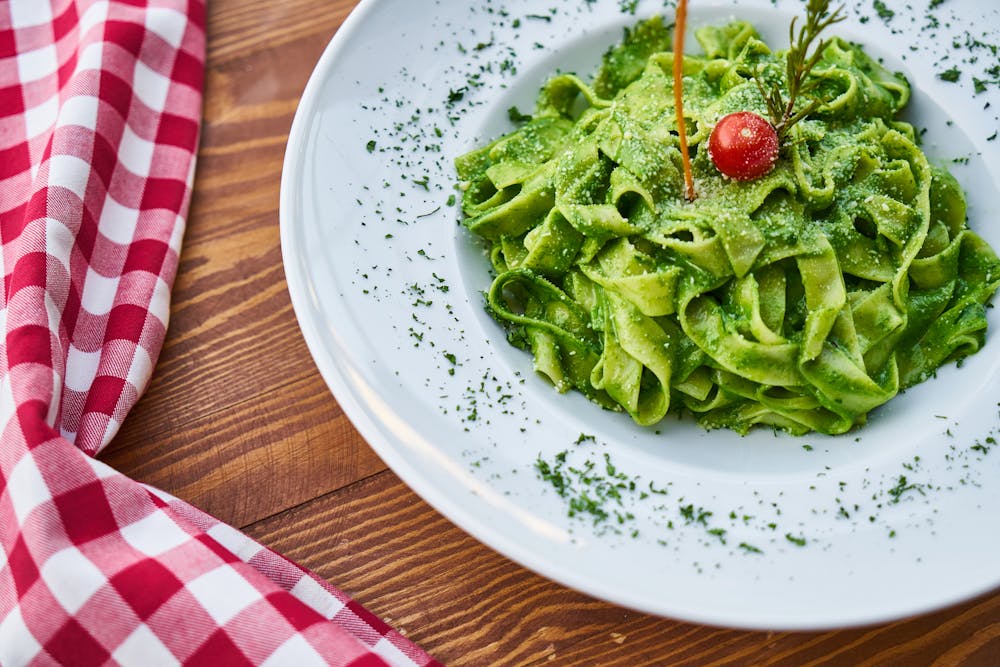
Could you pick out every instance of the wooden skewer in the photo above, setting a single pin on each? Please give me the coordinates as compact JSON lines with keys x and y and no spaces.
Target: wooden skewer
{"x":679,"y":24}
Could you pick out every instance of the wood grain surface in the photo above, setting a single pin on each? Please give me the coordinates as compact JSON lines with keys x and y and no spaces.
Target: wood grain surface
{"x":238,"y":422}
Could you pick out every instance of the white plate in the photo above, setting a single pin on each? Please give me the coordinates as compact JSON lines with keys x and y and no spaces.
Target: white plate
{"x":387,"y":289}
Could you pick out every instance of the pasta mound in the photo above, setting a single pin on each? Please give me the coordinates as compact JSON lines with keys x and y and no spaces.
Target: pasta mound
{"x":801,"y":300}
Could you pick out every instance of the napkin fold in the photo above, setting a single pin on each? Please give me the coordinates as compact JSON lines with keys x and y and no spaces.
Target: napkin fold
{"x":100,"y":108}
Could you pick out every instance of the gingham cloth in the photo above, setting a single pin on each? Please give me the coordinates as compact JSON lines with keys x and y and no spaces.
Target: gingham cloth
{"x":99,"y":117}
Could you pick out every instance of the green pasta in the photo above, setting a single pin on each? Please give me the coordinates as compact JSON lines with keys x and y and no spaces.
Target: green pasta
{"x":801,"y":300}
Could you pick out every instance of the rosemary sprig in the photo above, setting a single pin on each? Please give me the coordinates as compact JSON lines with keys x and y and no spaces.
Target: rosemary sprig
{"x":798,"y":63}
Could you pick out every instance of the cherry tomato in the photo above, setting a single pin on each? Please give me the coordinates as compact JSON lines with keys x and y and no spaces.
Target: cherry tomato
{"x":743,"y":146}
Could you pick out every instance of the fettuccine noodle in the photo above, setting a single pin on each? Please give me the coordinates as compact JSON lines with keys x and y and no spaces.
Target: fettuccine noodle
{"x":800,"y":300}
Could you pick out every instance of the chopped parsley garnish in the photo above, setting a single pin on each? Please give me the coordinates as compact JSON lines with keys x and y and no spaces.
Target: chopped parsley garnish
{"x":628,"y":6}
{"x":950,"y":75}
{"x":588,"y":491}
{"x":883,"y":11}
{"x":903,"y":486}
{"x":719,"y":533}
{"x":797,"y":541}
{"x":515,"y":116}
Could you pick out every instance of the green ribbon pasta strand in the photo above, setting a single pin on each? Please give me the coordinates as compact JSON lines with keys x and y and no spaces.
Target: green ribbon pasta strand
{"x":544,"y":319}
{"x":802,"y":300}
{"x":637,"y":365}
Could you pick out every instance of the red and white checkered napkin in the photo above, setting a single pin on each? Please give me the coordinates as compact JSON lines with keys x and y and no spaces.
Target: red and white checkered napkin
{"x":99,"y":113}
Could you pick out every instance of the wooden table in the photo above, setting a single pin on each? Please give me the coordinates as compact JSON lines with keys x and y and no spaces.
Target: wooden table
{"x":238,"y":422}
